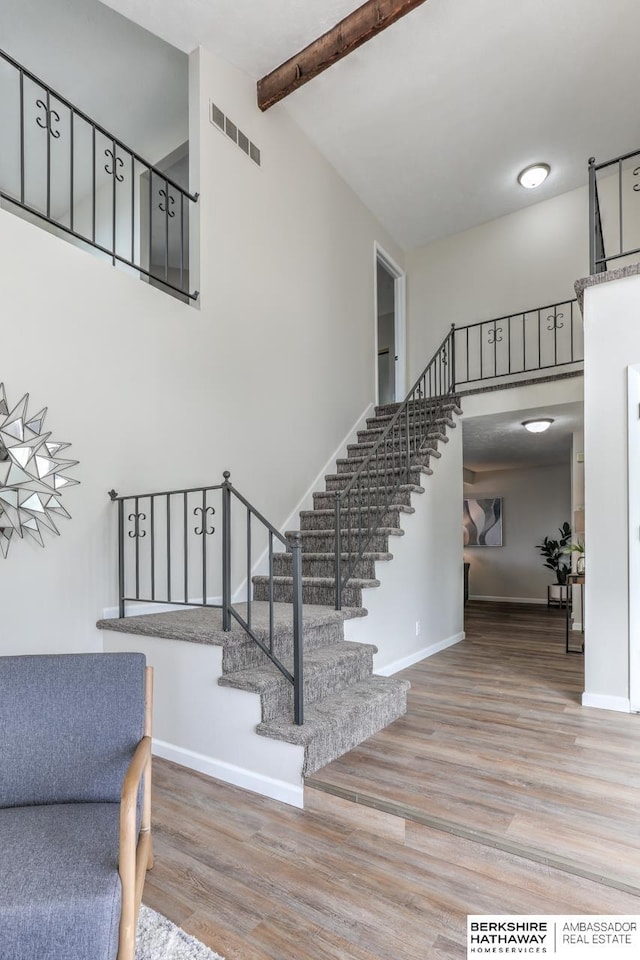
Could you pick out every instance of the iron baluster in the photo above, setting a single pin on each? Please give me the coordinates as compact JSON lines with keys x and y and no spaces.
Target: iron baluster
{"x":298,"y":686}
{"x":21,"y":136}
{"x":249,"y":566}
{"x":71,"y":166}
{"x":620,"y":205}
{"x":93,"y":183}
{"x":338,"y":532}
{"x":121,"y":574}
{"x":169,"y":547}
{"x":152,"y":546}
{"x":133,"y":209}
{"x":271,"y":591}
{"x":226,"y":552}
{"x":186,"y":547}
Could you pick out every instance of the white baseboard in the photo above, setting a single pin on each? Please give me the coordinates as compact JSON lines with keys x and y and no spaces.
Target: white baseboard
{"x":509,"y":599}
{"x":604,"y":702}
{"x":419,"y":655}
{"x":229,"y":773}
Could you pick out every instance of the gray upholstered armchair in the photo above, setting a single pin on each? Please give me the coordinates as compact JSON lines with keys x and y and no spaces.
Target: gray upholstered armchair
{"x":75,"y":837}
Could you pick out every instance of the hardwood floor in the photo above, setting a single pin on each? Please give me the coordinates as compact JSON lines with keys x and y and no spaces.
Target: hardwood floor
{"x":495,"y":747}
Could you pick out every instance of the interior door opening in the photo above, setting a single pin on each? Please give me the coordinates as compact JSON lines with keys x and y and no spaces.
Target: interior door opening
{"x":389,"y":328}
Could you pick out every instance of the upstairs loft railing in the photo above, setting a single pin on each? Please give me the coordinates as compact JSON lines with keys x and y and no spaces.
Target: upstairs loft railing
{"x":172,"y":550}
{"x":614,"y":212}
{"x":361,"y":506}
{"x":61,"y":167}
{"x":502,"y":351}
{"x":513,"y":346}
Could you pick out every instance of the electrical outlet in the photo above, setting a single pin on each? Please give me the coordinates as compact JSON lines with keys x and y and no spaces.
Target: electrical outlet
{"x":418,"y":628}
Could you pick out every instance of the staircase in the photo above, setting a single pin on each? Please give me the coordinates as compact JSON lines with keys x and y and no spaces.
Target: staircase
{"x":344,"y":702}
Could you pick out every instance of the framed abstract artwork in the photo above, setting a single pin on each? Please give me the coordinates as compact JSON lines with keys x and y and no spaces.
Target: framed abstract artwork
{"x":482,"y":522}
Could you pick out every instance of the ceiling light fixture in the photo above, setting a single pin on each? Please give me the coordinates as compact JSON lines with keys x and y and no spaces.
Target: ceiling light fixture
{"x":534,"y":175}
{"x":539,"y":425}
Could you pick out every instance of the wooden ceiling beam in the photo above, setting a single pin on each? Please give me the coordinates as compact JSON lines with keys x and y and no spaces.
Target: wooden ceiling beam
{"x":361,"y":25}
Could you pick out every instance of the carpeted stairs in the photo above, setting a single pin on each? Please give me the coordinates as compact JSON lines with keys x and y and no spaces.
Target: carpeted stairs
{"x":344,"y":703}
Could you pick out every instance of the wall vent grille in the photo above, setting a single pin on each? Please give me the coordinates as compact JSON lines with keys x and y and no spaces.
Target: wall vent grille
{"x":229,"y":128}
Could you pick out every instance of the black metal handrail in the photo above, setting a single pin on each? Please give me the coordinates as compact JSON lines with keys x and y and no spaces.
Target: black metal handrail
{"x":362,"y":504}
{"x":542,"y":338}
{"x":160,"y":555}
{"x":64,"y":182}
{"x":598,"y":257}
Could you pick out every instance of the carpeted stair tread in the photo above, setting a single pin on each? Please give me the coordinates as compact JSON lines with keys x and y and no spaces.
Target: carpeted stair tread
{"x":342,"y":721}
{"x":327,"y":671}
{"x":204,"y":624}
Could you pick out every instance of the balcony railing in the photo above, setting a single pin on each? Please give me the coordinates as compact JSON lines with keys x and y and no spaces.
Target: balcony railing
{"x":519,"y":344}
{"x":60,"y":166}
{"x":614,"y":212}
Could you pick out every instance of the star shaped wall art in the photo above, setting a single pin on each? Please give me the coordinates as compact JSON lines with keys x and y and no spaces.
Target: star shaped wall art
{"x":33,"y":475}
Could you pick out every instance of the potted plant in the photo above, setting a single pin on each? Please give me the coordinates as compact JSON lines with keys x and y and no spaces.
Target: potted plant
{"x":554,"y":553}
{"x":578,"y":547}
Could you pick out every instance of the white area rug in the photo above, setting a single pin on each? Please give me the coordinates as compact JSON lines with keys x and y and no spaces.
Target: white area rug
{"x":159,"y":939}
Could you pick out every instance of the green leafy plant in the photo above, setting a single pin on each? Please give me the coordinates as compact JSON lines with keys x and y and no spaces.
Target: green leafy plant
{"x":553,"y":552}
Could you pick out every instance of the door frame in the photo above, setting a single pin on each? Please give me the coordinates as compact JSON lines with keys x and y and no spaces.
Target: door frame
{"x":380,"y":255}
{"x":633,"y":395}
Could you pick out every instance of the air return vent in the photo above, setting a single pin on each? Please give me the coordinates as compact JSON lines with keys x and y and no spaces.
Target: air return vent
{"x":230,"y":130}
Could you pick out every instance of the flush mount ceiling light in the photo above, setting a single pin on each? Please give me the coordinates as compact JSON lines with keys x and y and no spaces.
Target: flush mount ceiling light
{"x":534,"y":175}
{"x":539,"y":425}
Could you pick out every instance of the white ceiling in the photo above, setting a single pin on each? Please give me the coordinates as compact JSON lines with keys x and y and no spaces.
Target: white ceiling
{"x":431,"y":121}
{"x":500,"y":442}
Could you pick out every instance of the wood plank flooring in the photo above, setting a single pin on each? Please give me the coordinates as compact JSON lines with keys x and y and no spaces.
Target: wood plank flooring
{"x":494,"y":743}
{"x":495,"y":746}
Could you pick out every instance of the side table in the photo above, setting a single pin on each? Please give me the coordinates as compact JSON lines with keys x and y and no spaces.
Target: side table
{"x":574,"y":580}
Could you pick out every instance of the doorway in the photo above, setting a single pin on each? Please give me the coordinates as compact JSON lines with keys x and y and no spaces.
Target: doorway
{"x":389,"y":318}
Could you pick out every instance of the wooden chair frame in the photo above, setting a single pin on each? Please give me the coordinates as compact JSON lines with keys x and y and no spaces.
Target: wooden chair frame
{"x":136,"y":851}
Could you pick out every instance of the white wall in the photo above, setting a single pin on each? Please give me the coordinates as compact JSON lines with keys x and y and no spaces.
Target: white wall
{"x":265,"y":377}
{"x":423,"y":583}
{"x":535,"y":503}
{"x":612,"y":340}
{"x":527,"y":259}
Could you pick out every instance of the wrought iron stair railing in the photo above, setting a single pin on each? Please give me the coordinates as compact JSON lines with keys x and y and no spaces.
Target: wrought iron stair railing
{"x":166,"y":558}
{"x":361,"y":506}
{"x":60,"y":166}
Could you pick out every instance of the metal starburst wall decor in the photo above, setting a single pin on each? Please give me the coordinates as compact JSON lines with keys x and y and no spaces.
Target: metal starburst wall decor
{"x":33,"y":475}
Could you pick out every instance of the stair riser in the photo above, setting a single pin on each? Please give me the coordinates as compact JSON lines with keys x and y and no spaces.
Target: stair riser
{"x":339,"y":482}
{"x":384,"y":464}
{"x":315,"y":520}
{"x":311,"y":593}
{"x":364,"y":569}
{"x":390,"y":409}
{"x":317,"y":755}
{"x":326,"y":501}
{"x":437,"y":429}
{"x":362,"y":450}
{"x":334,"y":678}
{"x":326,"y":543}
{"x":249,"y":654}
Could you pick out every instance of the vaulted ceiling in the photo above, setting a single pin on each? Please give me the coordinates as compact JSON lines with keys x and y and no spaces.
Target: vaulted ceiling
{"x":431,"y":121}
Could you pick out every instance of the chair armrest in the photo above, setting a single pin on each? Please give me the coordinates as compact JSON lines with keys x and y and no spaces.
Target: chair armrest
{"x":131,"y":782}
{"x":134,"y":856}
